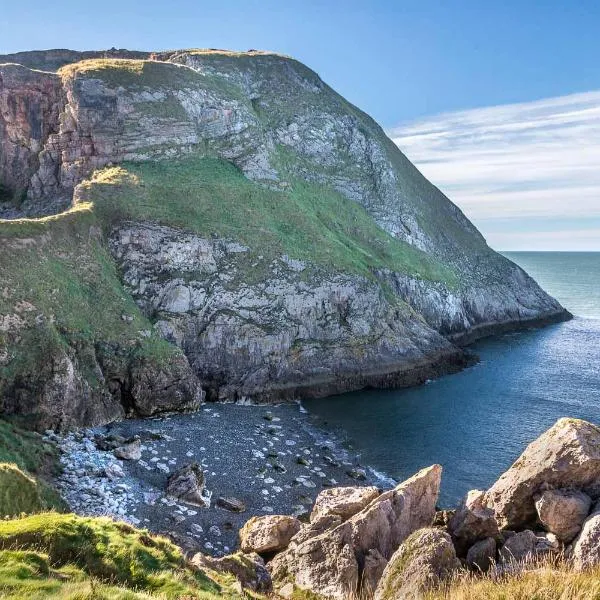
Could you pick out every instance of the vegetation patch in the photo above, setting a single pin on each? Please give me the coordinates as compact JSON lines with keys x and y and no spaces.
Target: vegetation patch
{"x":60,"y":554}
{"x":211,"y":197}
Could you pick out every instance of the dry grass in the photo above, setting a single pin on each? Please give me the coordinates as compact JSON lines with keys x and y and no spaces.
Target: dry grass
{"x":549,"y":580}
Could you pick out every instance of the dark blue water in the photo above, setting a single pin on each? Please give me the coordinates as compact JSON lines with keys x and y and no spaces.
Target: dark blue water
{"x":475,"y":423}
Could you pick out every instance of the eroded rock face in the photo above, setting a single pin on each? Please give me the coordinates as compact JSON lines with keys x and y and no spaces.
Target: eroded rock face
{"x":563,"y":512}
{"x":567,"y":455}
{"x":267,"y":534}
{"x":297,"y":329}
{"x":342,"y":501}
{"x":423,"y":562}
{"x":286,"y":336}
{"x":381,"y":526}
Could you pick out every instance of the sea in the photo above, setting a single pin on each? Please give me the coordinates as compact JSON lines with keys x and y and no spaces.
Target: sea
{"x":477,"y":422}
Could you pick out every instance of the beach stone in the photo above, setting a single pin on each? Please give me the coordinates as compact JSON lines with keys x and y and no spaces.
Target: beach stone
{"x":482,"y":554}
{"x":114,"y":471}
{"x":328,"y":563}
{"x":248,"y":569}
{"x":471,"y":522}
{"x":342,"y":501}
{"x":130,"y":451}
{"x":270,"y":533}
{"x":519,"y":547}
{"x":424,"y":561}
{"x":357,"y":473}
{"x":565,"y":456}
{"x":187,"y":484}
{"x":563,"y":512}
{"x":586,"y":547}
{"x":109,"y":442}
{"x":231,"y":504}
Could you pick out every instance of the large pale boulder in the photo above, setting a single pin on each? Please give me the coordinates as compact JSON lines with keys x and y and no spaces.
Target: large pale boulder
{"x":565,"y":456}
{"x":424,"y":561}
{"x":270,"y":533}
{"x":563,"y":512}
{"x":327,"y":563}
{"x":342,"y":501}
{"x":471,"y":522}
{"x":395,"y":514}
{"x":586,"y":547}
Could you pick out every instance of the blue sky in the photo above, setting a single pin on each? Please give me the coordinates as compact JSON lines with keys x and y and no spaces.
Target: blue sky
{"x":409,"y":64}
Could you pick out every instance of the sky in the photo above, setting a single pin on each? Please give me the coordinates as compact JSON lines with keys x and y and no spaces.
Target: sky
{"x":475,"y":93}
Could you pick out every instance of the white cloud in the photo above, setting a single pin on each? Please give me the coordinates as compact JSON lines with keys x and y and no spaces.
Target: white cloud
{"x":536,"y":160}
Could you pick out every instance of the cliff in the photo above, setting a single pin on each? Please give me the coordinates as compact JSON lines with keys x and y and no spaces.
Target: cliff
{"x":219,"y":221}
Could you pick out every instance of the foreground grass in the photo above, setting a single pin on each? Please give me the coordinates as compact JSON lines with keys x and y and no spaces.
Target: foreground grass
{"x":65,"y":556}
{"x":26,"y":463}
{"x":539,"y":582}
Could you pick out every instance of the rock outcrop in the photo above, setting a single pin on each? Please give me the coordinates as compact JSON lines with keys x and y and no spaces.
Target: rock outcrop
{"x":423,"y":562}
{"x":332,"y":563}
{"x":586,"y":548}
{"x":268,"y":534}
{"x":371,"y":278}
{"x":342,"y":501}
{"x":565,"y":456}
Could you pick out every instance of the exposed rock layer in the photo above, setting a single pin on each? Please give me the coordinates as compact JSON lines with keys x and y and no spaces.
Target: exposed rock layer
{"x":292,"y":329}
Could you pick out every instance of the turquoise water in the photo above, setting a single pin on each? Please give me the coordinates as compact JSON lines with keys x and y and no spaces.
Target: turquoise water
{"x":477,"y":422}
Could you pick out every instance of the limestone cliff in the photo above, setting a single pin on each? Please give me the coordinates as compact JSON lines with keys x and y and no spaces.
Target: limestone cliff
{"x":242,"y":218}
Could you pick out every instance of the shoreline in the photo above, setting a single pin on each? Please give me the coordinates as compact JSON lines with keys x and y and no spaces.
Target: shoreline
{"x":272,"y":458}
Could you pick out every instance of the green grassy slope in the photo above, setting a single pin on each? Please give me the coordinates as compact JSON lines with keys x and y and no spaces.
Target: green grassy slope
{"x":211,"y":197}
{"x":66,"y":556}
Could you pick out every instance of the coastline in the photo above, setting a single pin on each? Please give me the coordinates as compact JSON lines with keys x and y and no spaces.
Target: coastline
{"x":272,"y":458}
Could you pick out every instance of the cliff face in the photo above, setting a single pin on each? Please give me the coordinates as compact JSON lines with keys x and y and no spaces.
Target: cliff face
{"x":320,"y":261}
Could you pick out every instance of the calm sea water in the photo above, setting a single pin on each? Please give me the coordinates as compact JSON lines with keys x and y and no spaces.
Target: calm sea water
{"x":475,"y":423}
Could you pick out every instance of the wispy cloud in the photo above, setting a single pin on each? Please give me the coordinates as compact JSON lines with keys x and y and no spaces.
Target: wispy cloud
{"x":523,"y":173}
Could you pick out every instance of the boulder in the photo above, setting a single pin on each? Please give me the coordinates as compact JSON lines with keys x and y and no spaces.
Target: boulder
{"x":519,"y":547}
{"x":394,"y":515}
{"x":132,"y":450}
{"x":231,"y":504}
{"x":565,"y":456}
{"x":270,"y":533}
{"x":424,"y":561}
{"x":248,"y":569}
{"x":471,"y":522}
{"x":317,"y":528}
{"x":563,"y":512}
{"x":325,"y":565}
{"x":114,"y":471}
{"x":586,"y":547}
{"x":482,"y":554}
{"x":342,"y":501}
{"x":187,"y":484}
{"x":330,"y":564}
